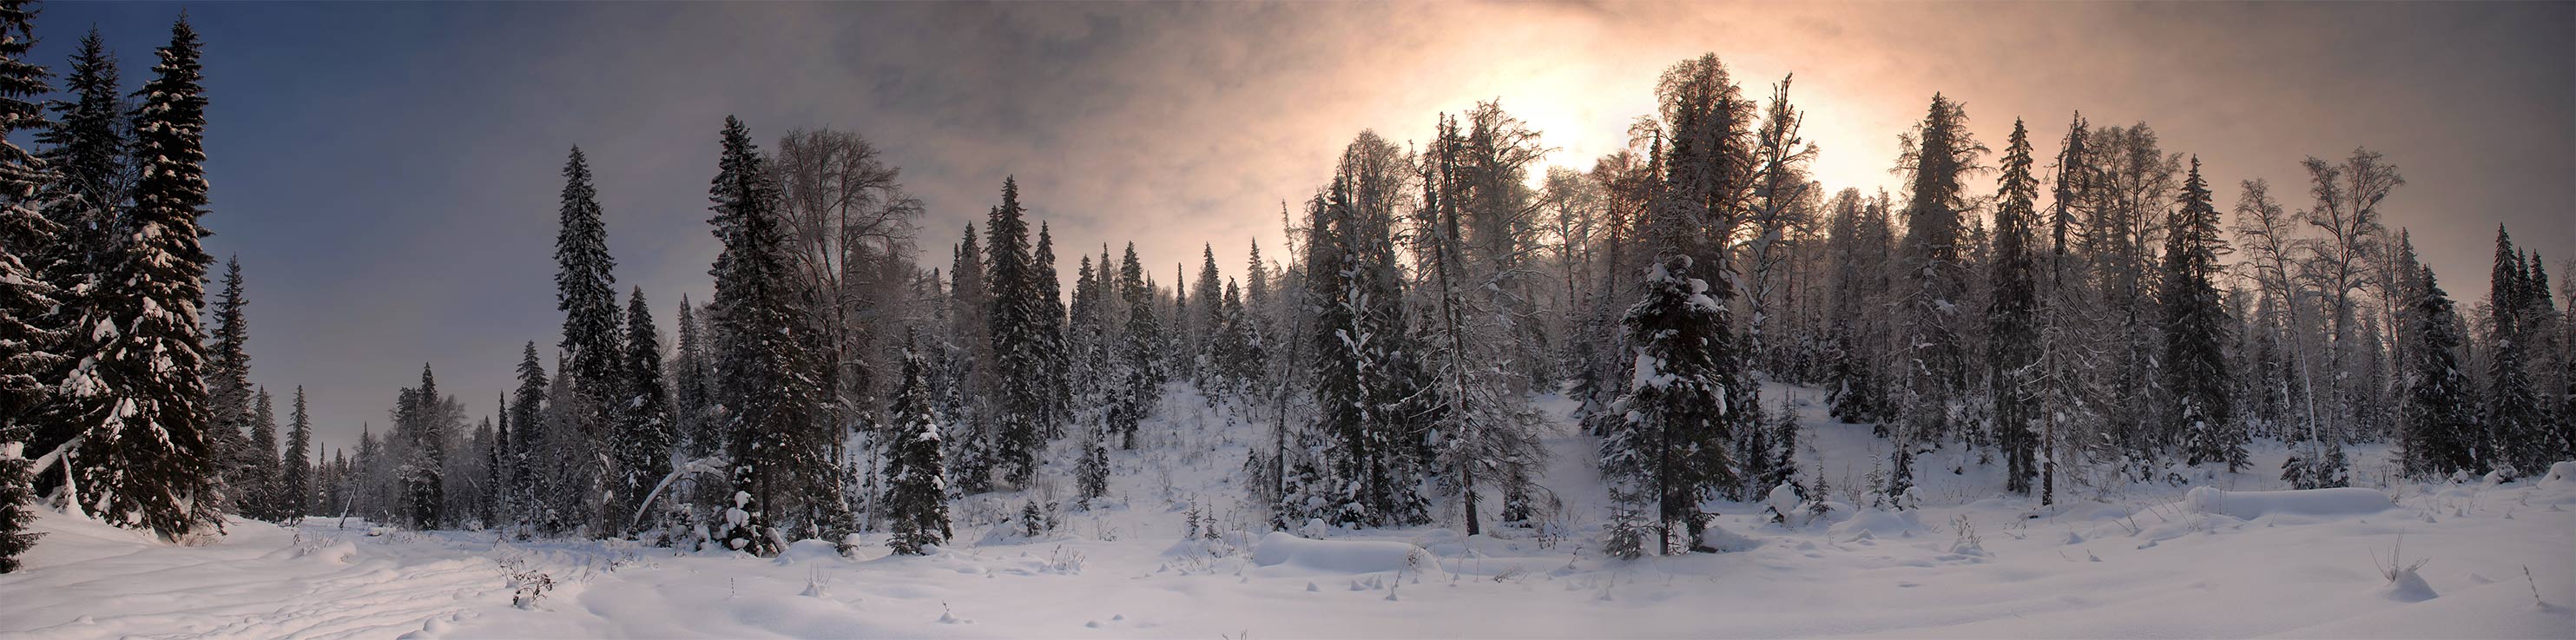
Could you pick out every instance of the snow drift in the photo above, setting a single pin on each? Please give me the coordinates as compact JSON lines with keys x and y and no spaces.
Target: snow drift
{"x":2248,"y":505}
{"x":1281,"y":548}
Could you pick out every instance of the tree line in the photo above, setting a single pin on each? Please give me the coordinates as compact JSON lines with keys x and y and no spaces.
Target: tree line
{"x":2092,"y":319}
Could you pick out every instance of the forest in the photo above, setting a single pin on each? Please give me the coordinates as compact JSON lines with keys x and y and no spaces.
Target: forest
{"x":2071,"y":314}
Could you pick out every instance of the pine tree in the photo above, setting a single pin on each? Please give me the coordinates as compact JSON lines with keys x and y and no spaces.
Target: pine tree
{"x":1143,"y":379}
{"x":2440,"y":430}
{"x":917,"y":492}
{"x":765,"y":391}
{"x":2197,"y":376}
{"x":2013,"y":340}
{"x":1939,"y":154}
{"x":644,"y":436}
{"x":295,"y":484}
{"x":586,"y":293}
{"x":26,"y":299}
{"x":1208,"y":318}
{"x":1054,"y":373}
{"x":141,"y":399}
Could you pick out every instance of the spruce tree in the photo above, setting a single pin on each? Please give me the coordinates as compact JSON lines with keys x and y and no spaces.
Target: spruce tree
{"x":527,"y":417}
{"x":141,"y":404}
{"x":917,"y":492}
{"x":690,"y":386}
{"x":1208,"y":318}
{"x":228,"y":390}
{"x":423,"y":432}
{"x":85,"y":149}
{"x":2012,"y":330}
{"x":1054,"y":376}
{"x":295,"y":480}
{"x":1018,"y":349}
{"x":2439,"y":434}
{"x":1142,"y":385}
{"x":2197,"y":378}
{"x":261,"y":489}
{"x":764,"y":391}
{"x":1938,"y":156}
{"x":27,"y":339}
{"x":644,"y":437}
{"x":586,"y":293}
{"x":2516,"y":439}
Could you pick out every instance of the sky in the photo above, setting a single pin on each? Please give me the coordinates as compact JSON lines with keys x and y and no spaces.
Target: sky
{"x":388,"y":173}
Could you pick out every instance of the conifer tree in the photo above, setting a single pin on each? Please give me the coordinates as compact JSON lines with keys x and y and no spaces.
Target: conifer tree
{"x":917,"y":492}
{"x":644,"y":436}
{"x":1939,"y":154}
{"x":295,"y":484}
{"x":261,"y":489}
{"x":1018,"y":341}
{"x":422,"y":431}
{"x":85,"y":150}
{"x":27,"y":338}
{"x":1207,"y":318}
{"x":527,"y":416}
{"x":228,"y":389}
{"x":2515,"y":436}
{"x":141,"y":400}
{"x":690,"y":386}
{"x":1142,"y":384}
{"x":2012,"y":329}
{"x":2197,"y":377}
{"x":586,"y":293}
{"x":2439,"y":435}
{"x":1053,"y":375}
{"x":765,"y":391}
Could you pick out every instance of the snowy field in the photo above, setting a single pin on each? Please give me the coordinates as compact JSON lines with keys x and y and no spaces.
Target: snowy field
{"x":2227,"y":559}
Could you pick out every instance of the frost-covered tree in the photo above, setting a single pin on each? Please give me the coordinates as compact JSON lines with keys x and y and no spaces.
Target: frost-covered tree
{"x":2198,"y":381}
{"x":2517,"y":437}
{"x":228,"y":390}
{"x":644,"y":439}
{"x":1939,"y":154}
{"x":1019,"y":351}
{"x":765,"y":389}
{"x":586,"y":293}
{"x":296,"y":484}
{"x":527,"y":417}
{"x":2440,"y":432}
{"x":139,"y":397}
{"x":27,"y":337}
{"x":2012,"y":325}
{"x":917,"y":491}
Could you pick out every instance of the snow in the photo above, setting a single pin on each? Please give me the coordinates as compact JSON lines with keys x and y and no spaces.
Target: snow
{"x":2230,"y":557}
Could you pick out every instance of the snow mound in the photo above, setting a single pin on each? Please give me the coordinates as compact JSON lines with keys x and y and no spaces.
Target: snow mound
{"x":2561,"y":471}
{"x":1717,"y":537}
{"x":2405,"y":585}
{"x":1876,"y":523}
{"x":2248,"y":505}
{"x":1281,"y":548}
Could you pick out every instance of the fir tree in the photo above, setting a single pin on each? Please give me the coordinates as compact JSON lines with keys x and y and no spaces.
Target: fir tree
{"x":295,"y":484}
{"x":423,"y":431}
{"x":527,"y":416}
{"x":1670,"y":451}
{"x":1208,"y":318}
{"x":85,"y":149}
{"x":765,"y":391}
{"x":690,"y":386}
{"x":2516,"y":439}
{"x":1143,"y":374}
{"x":2012,"y":330}
{"x":228,"y":389}
{"x":2197,"y":376}
{"x":261,"y":489}
{"x":2439,"y":433}
{"x":586,"y":294}
{"x":644,"y":436}
{"x":1939,"y":154}
{"x":26,"y":298}
{"x":916,"y":494}
{"x":142,"y":396}
{"x":1018,"y":340}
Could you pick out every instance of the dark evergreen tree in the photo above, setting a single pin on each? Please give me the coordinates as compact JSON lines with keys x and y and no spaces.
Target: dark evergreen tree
{"x":586,"y":293}
{"x":423,"y":431}
{"x":141,"y":401}
{"x":1208,"y":318}
{"x":2516,"y":439}
{"x":296,"y":480}
{"x":1670,"y":451}
{"x":527,"y":417}
{"x":2198,"y":383}
{"x":497,"y":480}
{"x":690,"y":386}
{"x":765,"y":389}
{"x":1055,"y":386}
{"x":1142,"y":384}
{"x":1018,"y":340}
{"x":2012,"y":329}
{"x":27,"y":338}
{"x":917,"y":492}
{"x":644,"y":436}
{"x":262,"y":494}
{"x":1939,"y":154}
{"x":228,"y":390}
{"x":85,"y":150}
{"x":2440,"y":433}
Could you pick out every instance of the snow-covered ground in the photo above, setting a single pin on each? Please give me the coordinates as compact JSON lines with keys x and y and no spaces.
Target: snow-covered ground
{"x":2135,"y":560}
